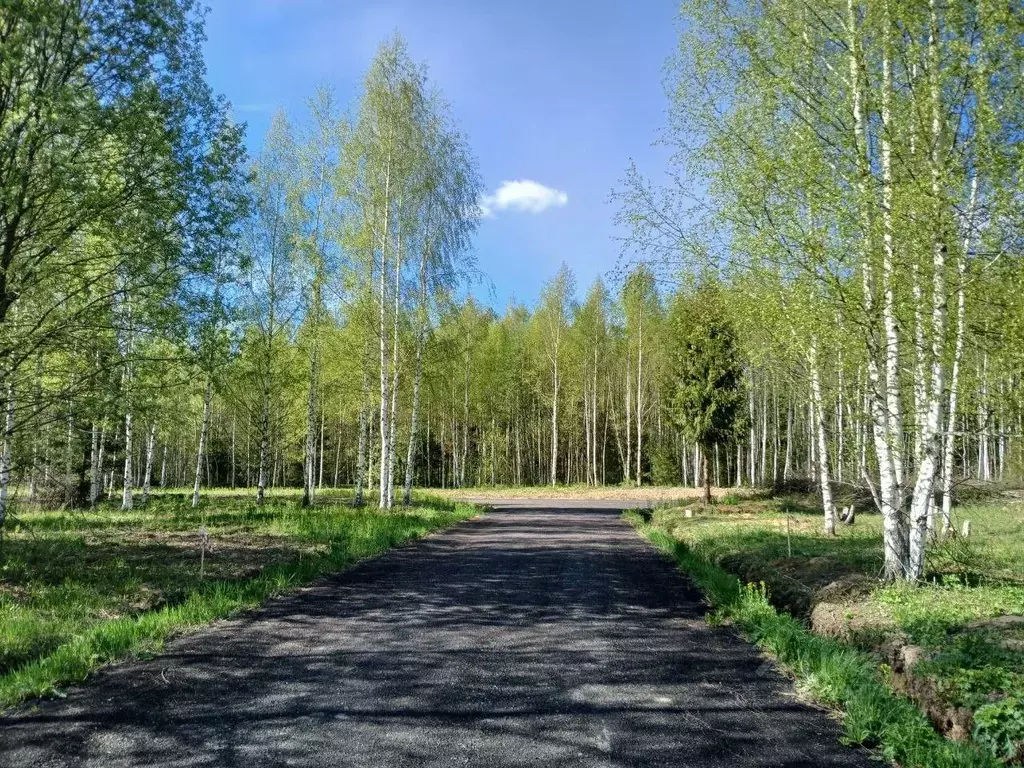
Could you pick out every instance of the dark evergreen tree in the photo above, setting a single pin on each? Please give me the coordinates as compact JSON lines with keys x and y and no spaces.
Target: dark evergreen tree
{"x":707,"y":373}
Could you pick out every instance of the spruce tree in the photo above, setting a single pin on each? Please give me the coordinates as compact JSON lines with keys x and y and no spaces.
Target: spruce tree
{"x":707,"y":373}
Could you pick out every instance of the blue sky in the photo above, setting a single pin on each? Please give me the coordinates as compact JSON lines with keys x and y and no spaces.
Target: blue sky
{"x":561,"y":93}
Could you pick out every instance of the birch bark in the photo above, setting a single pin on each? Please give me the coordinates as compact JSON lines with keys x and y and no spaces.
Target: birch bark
{"x":948,"y":465}
{"x":5,"y":458}
{"x":421,"y":332}
{"x":203,"y":430}
{"x":639,"y":396}
{"x":882,"y":402}
{"x":921,"y":501}
{"x":819,"y":426}
{"x":94,"y":465}
{"x":382,"y":333}
{"x":147,"y":476}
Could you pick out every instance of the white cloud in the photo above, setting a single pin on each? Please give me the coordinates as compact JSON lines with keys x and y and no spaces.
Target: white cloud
{"x":522,"y":195}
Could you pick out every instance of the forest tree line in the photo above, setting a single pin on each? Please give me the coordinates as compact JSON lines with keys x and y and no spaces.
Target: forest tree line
{"x":174,"y":313}
{"x":853,"y":169}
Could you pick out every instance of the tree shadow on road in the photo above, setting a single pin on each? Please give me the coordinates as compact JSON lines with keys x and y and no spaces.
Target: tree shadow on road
{"x":529,"y":637}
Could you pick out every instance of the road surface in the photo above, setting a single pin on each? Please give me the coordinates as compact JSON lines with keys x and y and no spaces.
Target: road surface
{"x":543,"y":634}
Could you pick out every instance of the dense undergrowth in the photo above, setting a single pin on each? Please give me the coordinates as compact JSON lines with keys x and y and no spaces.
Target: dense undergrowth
{"x":79,"y":589}
{"x":960,"y":624}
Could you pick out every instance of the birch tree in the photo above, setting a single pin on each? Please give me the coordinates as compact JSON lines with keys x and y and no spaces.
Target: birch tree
{"x":318,"y":202}
{"x":553,"y":317}
{"x":383,"y":155}
{"x":868,"y":121}
{"x":271,"y":304}
{"x":446,"y":195}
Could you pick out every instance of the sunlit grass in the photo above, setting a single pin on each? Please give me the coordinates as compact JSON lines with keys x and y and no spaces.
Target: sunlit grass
{"x":781,"y":542}
{"x":996,"y":545}
{"x":835,"y":674}
{"x":78,"y":589}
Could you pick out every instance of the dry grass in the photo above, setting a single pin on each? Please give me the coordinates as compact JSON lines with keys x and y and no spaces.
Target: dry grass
{"x":653,"y":494}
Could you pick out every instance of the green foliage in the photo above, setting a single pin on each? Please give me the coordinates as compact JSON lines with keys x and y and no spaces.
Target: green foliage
{"x":928,"y":612}
{"x":708,"y":393}
{"x":845,"y":168}
{"x":121,"y":169}
{"x":1000,"y":726}
{"x":973,"y":667}
{"x":664,"y":466}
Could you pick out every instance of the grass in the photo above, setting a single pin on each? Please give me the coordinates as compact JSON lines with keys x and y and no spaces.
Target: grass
{"x":657,"y":494}
{"x":970,"y":661}
{"x":82,"y":589}
{"x":833,"y":673}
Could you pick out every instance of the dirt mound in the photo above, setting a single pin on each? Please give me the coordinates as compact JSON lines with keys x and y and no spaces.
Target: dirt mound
{"x":785,"y":592}
{"x":851,"y":586}
{"x":799,"y":585}
{"x":852,"y":622}
{"x":1009,"y":631}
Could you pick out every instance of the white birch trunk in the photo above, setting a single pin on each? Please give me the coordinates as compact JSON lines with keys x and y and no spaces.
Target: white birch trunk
{"x":840,"y":425}
{"x":982,"y":419}
{"x":261,"y":486}
{"x":819,"y":426}
{"x":393,"y":420}
{"x":126,"y":497}
{"x":627,"y":471}
{"x":958,"y":353}
{"x":763,"y":465}
{"x":309,"y":453}
{"x":921,"y":501}
{"x":384,"y":401}
{"x":100,"y":464}
{"x":639,"y":397}
{"x":554,"y":420}
{"x":148,"y":474}
{"x":382,"y":332}
{"x":203,"y":430}
{"x":465,"y":424}
{"x":94,"y":465}
{"x":361,"y":478}
{"x":410,"y":459}
{"x":593,"y":420}
{"x":586,"y":424}
{"x":5,"y":459}
{"x":787,"y":465}
{"x":884,"y":397}
{"x":920,"y":376}
{"x":752,"y":454}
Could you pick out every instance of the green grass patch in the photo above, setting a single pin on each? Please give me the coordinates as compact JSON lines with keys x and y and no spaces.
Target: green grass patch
{"x":835,"y":673}
{"x":82,"y":589}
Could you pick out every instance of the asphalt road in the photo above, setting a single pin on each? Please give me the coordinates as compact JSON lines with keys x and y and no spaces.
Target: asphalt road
{"x":535,"y":636}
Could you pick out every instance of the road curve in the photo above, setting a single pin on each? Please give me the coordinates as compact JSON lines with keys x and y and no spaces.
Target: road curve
{"x":543,"y":634}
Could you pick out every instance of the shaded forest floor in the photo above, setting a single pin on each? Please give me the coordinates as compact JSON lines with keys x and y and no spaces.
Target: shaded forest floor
{"x":954,"y":645}
{"x":80,"y":588}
